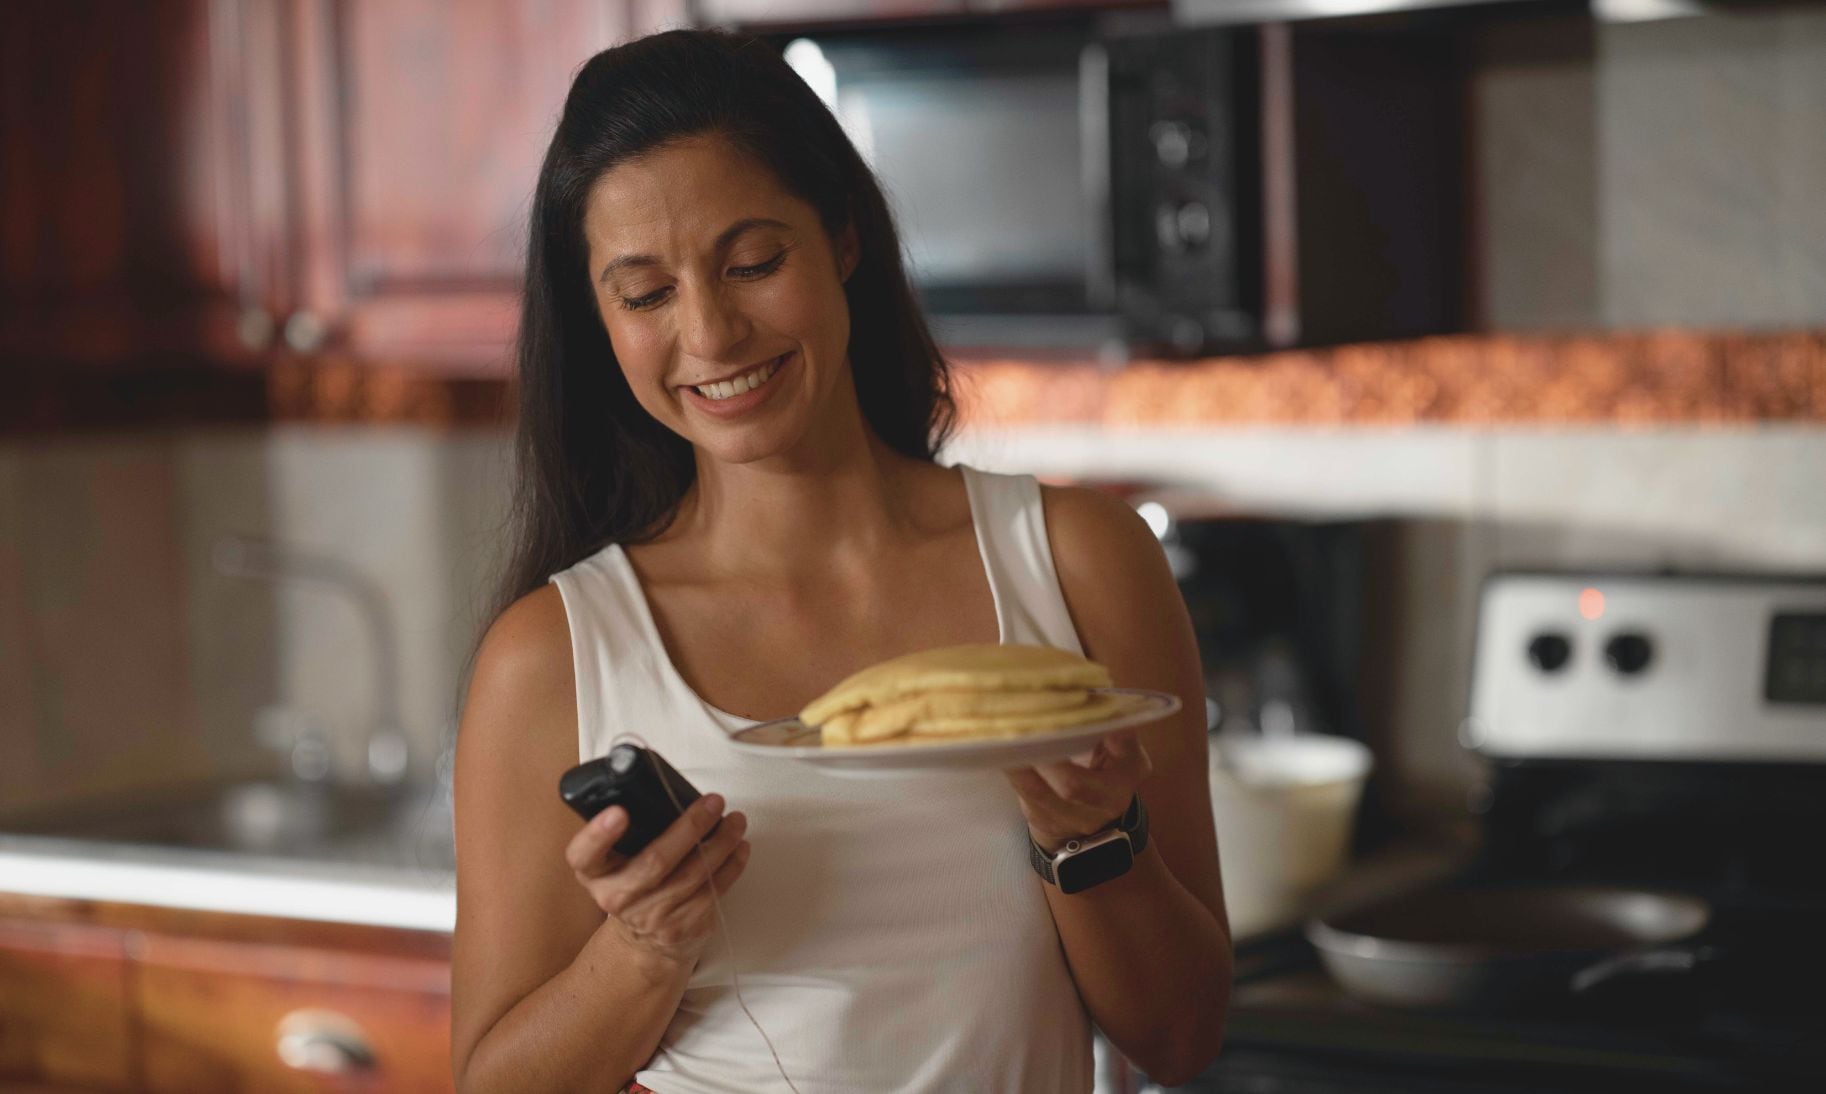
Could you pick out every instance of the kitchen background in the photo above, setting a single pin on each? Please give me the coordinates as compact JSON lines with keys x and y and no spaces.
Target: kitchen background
{"x":257,"y":264}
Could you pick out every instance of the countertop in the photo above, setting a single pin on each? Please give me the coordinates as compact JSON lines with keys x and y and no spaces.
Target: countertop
{"x":423,"y":897}
{"x":374,"y":894}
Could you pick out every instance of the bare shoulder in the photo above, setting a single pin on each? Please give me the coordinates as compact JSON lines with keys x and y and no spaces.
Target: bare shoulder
{"x":528,"y":647}
{"x":519,"y":719}
{"x":1097,"y":535}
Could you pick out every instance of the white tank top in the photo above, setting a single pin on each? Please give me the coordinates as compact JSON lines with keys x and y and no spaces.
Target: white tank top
{"x":889,"y":932}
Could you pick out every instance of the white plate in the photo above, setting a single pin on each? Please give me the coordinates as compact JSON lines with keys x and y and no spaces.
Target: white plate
{"x":791,"y":739}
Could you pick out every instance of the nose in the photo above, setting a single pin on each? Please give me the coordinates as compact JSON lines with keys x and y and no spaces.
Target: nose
{"x":711,"y":326}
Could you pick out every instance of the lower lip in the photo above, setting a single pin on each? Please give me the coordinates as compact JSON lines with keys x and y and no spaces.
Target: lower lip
{"x":747,"y":400}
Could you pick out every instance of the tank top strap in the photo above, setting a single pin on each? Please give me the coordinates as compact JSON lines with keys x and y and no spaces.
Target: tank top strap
{"x":624,"y":682}
{"x":1010,"y":516}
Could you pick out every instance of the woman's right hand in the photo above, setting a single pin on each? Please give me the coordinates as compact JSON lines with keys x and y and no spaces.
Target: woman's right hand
{"x":661,"y":900}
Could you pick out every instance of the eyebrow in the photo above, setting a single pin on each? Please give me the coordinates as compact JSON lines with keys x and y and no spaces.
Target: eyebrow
{"x":723,"y":239}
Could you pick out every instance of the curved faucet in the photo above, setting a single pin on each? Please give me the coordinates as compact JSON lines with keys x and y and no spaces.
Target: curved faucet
{"x":266,"y":560}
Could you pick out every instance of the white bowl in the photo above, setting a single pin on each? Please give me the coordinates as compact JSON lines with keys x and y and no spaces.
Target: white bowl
{"x":1284,"y":809}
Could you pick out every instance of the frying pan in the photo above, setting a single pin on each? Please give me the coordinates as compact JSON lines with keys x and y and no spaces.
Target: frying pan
{"x":1503,"y":948}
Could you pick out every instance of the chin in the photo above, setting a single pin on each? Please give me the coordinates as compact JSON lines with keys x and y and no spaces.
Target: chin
{"x":756,"y":445}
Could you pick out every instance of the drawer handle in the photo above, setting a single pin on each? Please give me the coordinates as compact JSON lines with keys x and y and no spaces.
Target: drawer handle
{"x":323,"y":1041}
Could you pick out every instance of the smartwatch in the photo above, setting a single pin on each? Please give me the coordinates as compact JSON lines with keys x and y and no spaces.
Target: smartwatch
{"x":1094,"y":859}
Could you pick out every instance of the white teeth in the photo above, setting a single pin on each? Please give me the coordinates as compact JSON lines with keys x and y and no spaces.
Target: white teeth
{"x":748,"y":381}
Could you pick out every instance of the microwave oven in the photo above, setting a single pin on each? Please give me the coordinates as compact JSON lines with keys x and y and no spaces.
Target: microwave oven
{"x":1121,"y":187}
{"x":1059,"y":186}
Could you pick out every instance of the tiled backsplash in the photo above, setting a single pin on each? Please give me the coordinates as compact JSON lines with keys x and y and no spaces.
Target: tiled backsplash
{"x":126,"y":657}
{"x":95,"y":671}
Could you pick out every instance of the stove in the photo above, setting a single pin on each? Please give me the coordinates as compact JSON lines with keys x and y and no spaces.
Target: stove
{"x":1648,"y":731}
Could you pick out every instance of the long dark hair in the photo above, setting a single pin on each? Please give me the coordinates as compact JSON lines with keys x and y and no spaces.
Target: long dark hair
{"x":592,"y":466}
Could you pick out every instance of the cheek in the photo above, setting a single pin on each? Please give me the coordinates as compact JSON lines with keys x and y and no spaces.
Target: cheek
{"x":634,"y":344}
{"x":642,"y":364}
{"x":811,"y":310}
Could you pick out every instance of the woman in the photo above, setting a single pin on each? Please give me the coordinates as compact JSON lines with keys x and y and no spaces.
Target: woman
{"x":702,"y":227}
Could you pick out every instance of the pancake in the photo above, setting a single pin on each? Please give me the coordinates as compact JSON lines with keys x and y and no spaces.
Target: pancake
{"x":901,"y":715}
{"x":961,"y":692}
{"x":1095,"y":709}
{"x":973,"y":668}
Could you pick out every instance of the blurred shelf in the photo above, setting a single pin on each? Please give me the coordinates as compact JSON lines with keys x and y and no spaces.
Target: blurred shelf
{"x":1625,"y":379}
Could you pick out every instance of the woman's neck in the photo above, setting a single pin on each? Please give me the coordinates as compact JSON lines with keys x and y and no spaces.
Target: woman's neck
{"x":802,"y":516}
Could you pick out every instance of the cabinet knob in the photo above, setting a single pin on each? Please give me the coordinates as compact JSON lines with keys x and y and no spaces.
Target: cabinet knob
{"x":255,"y":328}
{"x":323,"y":1041}
{"x":304,"y":332}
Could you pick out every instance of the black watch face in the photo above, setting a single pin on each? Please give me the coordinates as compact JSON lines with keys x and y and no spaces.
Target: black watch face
{"x":1095,"y":866}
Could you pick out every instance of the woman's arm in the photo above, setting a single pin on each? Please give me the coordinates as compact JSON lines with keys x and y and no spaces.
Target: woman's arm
{"x":545,"y":995}
{"x":1150,"y":951}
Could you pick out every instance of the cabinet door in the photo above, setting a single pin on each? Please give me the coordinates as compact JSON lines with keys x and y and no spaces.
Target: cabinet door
{"x":219,"y":1015}
{"x":115,"y":244}
{"x":419,"y":130}
{"x":64,"y":1010}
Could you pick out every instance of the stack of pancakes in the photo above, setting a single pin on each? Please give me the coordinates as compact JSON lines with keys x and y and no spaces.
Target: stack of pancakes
{"x":962,"y":692}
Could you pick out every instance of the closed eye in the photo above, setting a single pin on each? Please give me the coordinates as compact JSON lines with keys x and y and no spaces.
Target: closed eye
{"x":765,"y":268}
{"x":641,"y":303}
{"x":743,"y":273}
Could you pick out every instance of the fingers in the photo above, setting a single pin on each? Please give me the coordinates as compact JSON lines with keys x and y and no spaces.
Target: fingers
{"x":701,"y":864}
{"x":696,"y":917}
{"x":1122,"y":765}
{"x":1032,"y":788}
{"x":658,"y":859}
{"x":1065,"y":800}
{"x":696,"y":890}
{"x":1127,"y":754}
{"x":732,"y":867}
{"x":635,"y":890}
{"x":591,"y":852}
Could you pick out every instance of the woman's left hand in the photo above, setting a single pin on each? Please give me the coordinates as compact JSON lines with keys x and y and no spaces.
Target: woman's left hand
{"x":1067,"y":800}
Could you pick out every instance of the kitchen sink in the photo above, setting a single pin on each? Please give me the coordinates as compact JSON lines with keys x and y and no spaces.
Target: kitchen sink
{"x":407,"y":826}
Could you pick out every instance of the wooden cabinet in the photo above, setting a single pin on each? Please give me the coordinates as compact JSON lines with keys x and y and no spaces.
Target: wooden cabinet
{"x":419,"y":126}
{"x":65,"y":1013}
{"x":119,"y":997}
{"x":216,"y":1015}
{"x":115,"y":244}
{"x":206,"y":181}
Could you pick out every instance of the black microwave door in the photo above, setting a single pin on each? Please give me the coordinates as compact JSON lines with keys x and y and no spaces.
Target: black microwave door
{"x":979,"y":142}
{"x":1185,"y":191}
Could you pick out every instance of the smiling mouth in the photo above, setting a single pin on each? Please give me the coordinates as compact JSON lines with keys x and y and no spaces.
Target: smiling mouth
{"x":747,"y":381}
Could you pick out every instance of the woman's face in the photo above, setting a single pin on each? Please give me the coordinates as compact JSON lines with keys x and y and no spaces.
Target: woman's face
{"x":707,"y":272}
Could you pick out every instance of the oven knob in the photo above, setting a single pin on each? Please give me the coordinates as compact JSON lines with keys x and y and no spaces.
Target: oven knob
{"x":1172,"y":142}
{"x":1549,"y":652}
{"x":1629,"y":653}
{"x":1176,"y":143}
{"x":1181,"y":228}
